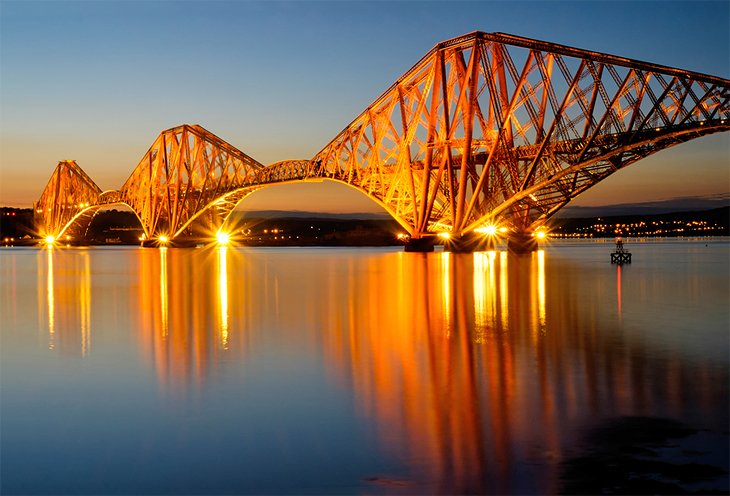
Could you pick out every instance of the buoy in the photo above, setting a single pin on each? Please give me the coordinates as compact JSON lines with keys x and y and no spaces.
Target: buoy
{"x":620,"y":255}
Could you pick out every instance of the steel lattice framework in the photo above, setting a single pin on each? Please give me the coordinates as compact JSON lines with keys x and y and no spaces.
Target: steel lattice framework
{"x":487,"y":128}
{"x":493,"y":127}
{"x":186,"y":171}
{"x":69,"y":193}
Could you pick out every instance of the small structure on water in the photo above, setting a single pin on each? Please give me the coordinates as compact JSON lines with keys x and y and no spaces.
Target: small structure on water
{"x":620,"y":255}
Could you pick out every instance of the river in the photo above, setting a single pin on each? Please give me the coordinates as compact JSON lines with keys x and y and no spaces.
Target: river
{"x":351,"y":370}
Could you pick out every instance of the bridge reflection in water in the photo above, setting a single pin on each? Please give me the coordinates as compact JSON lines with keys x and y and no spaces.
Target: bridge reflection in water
{"x":478,"y":371}
{"x":66,"y":289}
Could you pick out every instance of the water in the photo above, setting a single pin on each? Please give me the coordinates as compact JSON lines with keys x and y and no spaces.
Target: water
{"x":235,"y":370}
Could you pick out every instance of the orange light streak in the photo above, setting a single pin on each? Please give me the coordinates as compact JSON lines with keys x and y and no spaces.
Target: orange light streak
{"x":223,"y":295}
{"x":50,"y":298}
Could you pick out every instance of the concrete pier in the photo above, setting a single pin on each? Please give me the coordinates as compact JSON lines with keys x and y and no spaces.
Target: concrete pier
{"x":422,"y":245}
{"x":521,"y":243}
{"x":466,"y":243}
{"x":174,"y":243}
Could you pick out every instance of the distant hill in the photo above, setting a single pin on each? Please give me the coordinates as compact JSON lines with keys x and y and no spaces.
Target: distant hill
{"x":713,"y":222}
{"x":684,"y":204}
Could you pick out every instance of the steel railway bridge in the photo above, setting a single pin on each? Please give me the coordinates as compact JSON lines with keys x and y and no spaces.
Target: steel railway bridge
{"x":488,"y":132}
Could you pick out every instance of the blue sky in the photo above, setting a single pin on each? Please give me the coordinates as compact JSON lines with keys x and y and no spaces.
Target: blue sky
{"x":96,"y":81}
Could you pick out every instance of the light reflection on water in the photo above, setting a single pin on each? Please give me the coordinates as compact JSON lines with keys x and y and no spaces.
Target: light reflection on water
{"x":320,"y":370}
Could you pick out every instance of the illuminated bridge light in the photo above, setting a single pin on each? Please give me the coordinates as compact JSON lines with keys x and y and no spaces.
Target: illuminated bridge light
{"x":163,"y":239}
{"x":541,"y":234}
{"x":223,"y":238}
{"x":444,"y":235}
{"x":489,"y":230}
{"x":50,"y":240}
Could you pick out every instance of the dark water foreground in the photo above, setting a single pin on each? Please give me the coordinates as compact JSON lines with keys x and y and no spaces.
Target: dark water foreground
{"x":364,"y":370}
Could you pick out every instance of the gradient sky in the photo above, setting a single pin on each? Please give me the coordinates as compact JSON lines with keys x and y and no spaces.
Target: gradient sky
{"x":96,"y":81}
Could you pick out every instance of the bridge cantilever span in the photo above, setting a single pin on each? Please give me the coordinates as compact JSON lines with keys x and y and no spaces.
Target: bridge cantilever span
{"x":485,"y":129}
{"x":490,"y":128}
{"x":68,"y":194}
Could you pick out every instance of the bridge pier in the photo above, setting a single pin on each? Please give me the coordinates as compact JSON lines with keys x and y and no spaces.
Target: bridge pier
{"x":422,"y":245}
{"x":173,"y":243}
{"x":521,"y":243}
{"x":467,"y":243}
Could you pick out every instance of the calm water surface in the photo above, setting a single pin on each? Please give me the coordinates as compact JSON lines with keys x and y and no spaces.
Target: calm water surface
{"x":233,"y":370}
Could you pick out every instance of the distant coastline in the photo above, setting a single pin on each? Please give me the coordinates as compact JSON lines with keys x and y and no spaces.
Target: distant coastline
{"x":667,"y":206}
{"x":280,"y":228}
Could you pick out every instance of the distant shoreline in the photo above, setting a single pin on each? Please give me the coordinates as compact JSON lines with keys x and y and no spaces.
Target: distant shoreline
{"x":113,"y":227}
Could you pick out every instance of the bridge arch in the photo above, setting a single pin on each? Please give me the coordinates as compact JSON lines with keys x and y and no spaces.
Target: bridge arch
{"x":246,"y":192}
{"x":76,"y":229}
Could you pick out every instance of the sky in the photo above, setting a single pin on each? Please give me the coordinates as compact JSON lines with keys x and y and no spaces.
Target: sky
{"x":97,"y":81}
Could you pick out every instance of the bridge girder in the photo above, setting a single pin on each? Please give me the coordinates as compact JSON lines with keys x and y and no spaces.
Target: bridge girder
{"x":485,"y":128}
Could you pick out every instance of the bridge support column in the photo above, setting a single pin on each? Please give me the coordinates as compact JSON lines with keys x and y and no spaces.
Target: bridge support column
{"x":173,"y":243}
{"x":521,"y":243}
{"x":466,"y":243}
{"x":419,"y":245}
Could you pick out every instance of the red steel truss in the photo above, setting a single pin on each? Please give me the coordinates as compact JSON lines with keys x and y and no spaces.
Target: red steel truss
{"x":486,"y":128}
{"x":185,"y":172}
{"x":68,"y":194}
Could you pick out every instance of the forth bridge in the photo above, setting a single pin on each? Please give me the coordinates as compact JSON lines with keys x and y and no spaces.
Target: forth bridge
{"x":489,"y":134}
